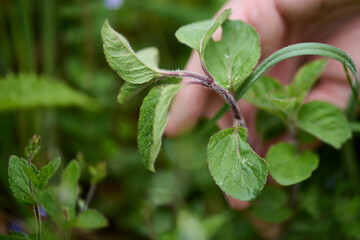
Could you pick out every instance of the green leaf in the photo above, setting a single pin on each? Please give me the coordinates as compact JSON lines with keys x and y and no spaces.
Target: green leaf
{"x":324,"y":121}
{"x":347,"y":213}
{"x":40,"y":178}
{"x":129,"y":90}
{"x":307,"y":75}
{"x":292,"y":51}
{"x":97,"y":172}
{"x":90,"y":219}
{"x":197,"y":35}
{"x":31,"y":174}
{"x":124,"y":60}
{"x":51,"y":204}
{"x":34,"y":91}
{"x":272,"y":205}
{"x":237,"y":170}
{"x":287,"y":166}
{"x":189,"y":227}
{"x":47,"y":172}
{"x":192,"y":34}
{"x":259,"y":92}
{"x":233,"y":58}
{"x":285,"y":102}
{"x":152,"y":121}
{"x":68,"y":188}
{"x":212,"y":29}
{"x":150,"y":56}
{"x":19,"y":181}
{"x":268,"y":126}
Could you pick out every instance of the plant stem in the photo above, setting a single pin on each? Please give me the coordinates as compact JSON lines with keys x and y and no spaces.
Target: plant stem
{"x":89,"y":196}
{"x":39,"y":220}
{"x":208,"y":81}
{"x":182,"y":74}
{"x":36,"y":222}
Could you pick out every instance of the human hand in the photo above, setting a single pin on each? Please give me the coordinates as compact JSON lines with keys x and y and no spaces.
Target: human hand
{"x":279,"y":23}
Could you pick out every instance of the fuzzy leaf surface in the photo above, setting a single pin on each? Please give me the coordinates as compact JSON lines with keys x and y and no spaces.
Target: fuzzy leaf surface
{"x":152,"y":121}
{"x":24,"y":91}
{"x":128,"y":90}
{"x":287,"y":166}
{"x":123,"y":59}
{"x":237,"y":170}
{"x":233,"y":58}
{"x":197,"y":35}
{"x":324,"y":121}
{"x":19,"y":181}
{"x":192,"y":34}
{"x":212,"y":28}
{"x":90,"y":219}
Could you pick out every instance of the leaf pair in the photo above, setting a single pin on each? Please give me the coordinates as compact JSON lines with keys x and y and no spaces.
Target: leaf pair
{"x":20,"y":175}
{"x":60,"y":202}
{"x":230,"y":60}
{"x":319,"y":119}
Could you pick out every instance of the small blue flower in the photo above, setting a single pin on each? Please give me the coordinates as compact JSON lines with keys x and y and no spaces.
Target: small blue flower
{"x":113,"y":4}
{"x":43,"y":212}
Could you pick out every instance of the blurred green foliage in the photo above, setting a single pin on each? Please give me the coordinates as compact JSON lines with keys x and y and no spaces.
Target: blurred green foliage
{"x":61,"y":41}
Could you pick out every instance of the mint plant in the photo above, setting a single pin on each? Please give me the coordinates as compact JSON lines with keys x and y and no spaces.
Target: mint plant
{"x":287,"y":164}
{"x":29,"y":186}
{"x":228,"y":66}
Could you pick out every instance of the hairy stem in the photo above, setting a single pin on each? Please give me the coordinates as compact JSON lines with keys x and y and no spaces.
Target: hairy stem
{"x":181,"y":74}
{"x":208,"y":81}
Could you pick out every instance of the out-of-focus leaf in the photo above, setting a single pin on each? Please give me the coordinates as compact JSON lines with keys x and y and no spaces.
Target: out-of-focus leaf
{"x":259,"y":92}
{"x":67,"y":189}
{"x":47,"y":172}
{"x":287,"y":166}
{"x":347,"y":213}
{"x":272,"y":205}
{"x":33,"y":91}
{"x":97,"y":172}
{"x":307,"y":75}
{"x":19,"y":181}
{"x":189,"y":227}
{"x":90,"y":219}
{"x":51,"y":204}
{"x":165,"y":189}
